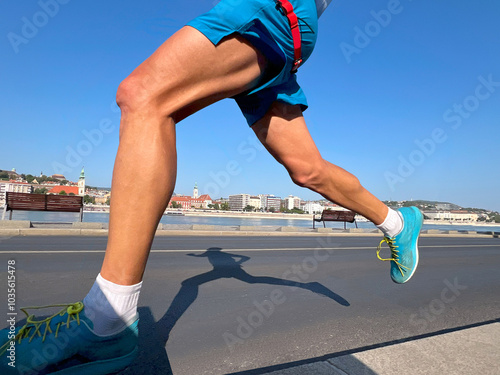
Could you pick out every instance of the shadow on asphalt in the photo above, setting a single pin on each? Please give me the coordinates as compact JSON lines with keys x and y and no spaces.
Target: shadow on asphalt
{"x":225,"y":266}
{"x":154,"y":336}
{"x":152,"y":357}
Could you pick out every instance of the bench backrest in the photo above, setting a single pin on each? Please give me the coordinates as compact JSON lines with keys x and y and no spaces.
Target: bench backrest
{"x":331,"y":215}
{"x":42,"y":202}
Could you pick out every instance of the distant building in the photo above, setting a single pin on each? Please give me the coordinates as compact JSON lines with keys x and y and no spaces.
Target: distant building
{"x":70,"y":189}
{"x":268,"y":201}
{"x":312,"y":208}
{"x":74,"y":190}
{"x":187,"y":202}
{"x":49,"y":184}
{"x":102,"y":199}
{"x":453,"y":215}
{"x":255,"y":202}
{"x":13,"y":187}
{"x":58,"y":177}
{"x":81,"y":183}
{"x":221,"y":201}
{"x":195,"y":190}
{"x":238,"y":202}
{"x":206,"y":200}
{"x":332,"y":206}
{"x":291,"y":202}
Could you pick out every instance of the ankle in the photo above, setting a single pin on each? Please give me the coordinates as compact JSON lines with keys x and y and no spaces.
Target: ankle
{"x":392,"y":225}
{"x":111,"y":307}
{"x":120,"y":278}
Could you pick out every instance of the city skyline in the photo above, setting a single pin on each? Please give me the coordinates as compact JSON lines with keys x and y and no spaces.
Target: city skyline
{"x":259,"y":194}
{"x":411,"y":111}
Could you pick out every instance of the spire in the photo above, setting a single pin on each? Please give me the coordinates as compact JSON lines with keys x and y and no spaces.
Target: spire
{"x":195,"y":190}
{"x":82,"y":174}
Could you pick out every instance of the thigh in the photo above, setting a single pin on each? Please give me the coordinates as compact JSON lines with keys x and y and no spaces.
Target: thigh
{"x":283,"y":131}
{"x":188,"y":72}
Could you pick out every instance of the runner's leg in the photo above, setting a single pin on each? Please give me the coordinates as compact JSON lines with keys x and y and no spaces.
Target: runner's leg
{"x":184,"y":75}
{"x":284,"y":133}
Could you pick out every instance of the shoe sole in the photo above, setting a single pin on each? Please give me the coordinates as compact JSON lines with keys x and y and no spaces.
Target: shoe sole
{"x":416,"y":249}
{"x":414,"y":269}
{"x":105,"y":367}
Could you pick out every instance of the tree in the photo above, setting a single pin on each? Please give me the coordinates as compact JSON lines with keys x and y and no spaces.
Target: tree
{"x":64,"y":182}
{"x":71,"y":194}
{"x":41,"y":191}
{"x":4,"y":175}
{"x":62,"y":192}
{"x":108,"y":201}
{"x":29,"y":178}
{"x":272,"y":209}
{"x":87,"y":199}
{"x":174,"y":204}
{"x":249,"y":208}
{"x":224,"y":206}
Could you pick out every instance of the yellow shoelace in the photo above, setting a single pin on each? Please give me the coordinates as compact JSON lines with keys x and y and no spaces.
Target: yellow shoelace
{"x":34,"y":327}
{"x":394,"y":253}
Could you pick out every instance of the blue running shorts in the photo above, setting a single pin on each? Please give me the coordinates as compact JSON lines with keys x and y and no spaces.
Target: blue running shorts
{"x":268,"y":30}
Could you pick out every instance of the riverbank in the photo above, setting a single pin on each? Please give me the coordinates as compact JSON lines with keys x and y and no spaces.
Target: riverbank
{"x":287,"y":216}
{"x":28,"y":228}
{"x":232,"y":219}
{"x":230,"y":214}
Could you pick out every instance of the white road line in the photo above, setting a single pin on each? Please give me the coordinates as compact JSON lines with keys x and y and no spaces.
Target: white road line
{"x":228,"y":250}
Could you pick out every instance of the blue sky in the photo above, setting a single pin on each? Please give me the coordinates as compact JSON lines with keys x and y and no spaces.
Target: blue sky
{"x":408,"y":103}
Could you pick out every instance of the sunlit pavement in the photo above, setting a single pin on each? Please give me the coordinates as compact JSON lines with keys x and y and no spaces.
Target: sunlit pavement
{"x":287,"y":305}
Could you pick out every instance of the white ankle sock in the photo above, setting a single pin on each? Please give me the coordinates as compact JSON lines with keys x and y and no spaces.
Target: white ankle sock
{"x":111,"y":307}
{"x":392,"y":225}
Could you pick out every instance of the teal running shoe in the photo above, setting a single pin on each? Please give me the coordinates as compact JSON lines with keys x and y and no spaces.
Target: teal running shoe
{"x":404,"y":246}
{"x":64,"y":344}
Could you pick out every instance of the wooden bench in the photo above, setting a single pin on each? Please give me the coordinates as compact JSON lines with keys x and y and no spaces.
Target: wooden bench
{"x":336,"y":215}
{"x":42,"y":202}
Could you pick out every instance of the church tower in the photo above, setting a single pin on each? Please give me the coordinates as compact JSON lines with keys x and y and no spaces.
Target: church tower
{"x":195,"y":191}
{"x":81,"y":183}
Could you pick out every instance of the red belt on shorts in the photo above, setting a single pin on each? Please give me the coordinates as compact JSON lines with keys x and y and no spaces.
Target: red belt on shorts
{"x":286,"y":8}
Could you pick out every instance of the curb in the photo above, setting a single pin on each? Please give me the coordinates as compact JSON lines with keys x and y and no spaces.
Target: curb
{"x":471,"y":350}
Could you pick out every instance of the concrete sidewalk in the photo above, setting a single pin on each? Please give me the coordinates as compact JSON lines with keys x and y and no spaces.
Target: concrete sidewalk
{"x":469,"y":351}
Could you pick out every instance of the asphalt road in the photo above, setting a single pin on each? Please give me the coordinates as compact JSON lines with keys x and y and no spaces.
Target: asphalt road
{"x":235,"y":304}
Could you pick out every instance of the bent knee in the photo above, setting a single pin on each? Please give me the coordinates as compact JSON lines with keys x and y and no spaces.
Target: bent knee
{"x":133,"y":93}
{"x":308,"y":175}
{"x":321,"y":176}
